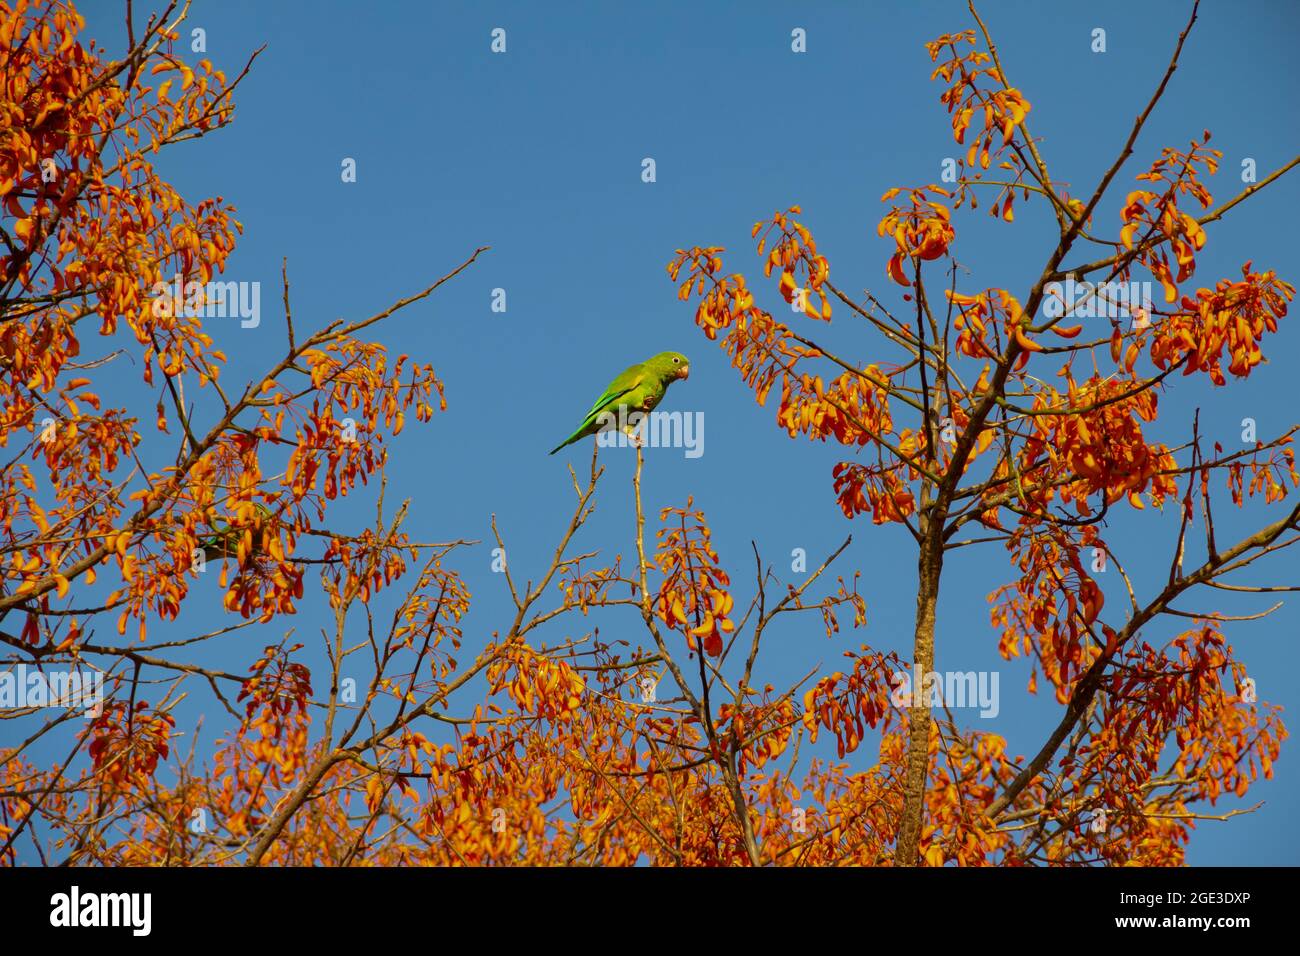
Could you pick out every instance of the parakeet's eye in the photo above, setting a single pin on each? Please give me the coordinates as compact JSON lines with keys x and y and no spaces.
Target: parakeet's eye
{"x":676,"y":361}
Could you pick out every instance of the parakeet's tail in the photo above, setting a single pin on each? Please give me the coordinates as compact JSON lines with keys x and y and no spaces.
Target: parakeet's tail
{"x":568,"y":441}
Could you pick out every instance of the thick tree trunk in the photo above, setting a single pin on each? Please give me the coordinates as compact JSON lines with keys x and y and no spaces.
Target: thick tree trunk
{"x":929,"y":566}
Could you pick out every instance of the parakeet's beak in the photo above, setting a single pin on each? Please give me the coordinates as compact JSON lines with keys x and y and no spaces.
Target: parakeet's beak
{"x":684,"y":372}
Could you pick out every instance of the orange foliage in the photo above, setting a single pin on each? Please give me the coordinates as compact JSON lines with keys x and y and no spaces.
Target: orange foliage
{"x":660,"y":744}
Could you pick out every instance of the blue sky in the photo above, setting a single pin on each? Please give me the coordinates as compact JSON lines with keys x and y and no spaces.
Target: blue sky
{"x":538,"y":152}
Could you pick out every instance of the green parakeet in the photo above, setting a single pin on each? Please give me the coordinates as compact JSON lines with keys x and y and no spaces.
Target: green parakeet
{"x":640,"y":388}
{"x":224,"y":542}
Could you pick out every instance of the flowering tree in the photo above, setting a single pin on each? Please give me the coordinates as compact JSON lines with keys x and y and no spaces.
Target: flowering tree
{"x":661,"y":746}
{"x":964,"y":432}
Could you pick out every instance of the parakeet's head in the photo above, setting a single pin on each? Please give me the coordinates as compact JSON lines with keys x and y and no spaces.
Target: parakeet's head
{"x":671,"y":365}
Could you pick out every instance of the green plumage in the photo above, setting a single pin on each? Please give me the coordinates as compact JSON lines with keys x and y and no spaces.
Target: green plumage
{"x":640,"y":387}
{"x":224,"y":541}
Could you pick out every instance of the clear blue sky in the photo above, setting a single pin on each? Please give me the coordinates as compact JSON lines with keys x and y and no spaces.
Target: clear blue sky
{"x":538,"y":153}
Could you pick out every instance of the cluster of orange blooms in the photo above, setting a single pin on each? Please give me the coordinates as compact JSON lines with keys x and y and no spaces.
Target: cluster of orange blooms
{"x":693,"y":597}
{"x":921,"y":230}
{"x":127,"y":742}
{"x":882,"y":492}
{"x":999,"y":110}
{"x":1053,"y":607}
{"x":1159,"y":221}
{"x":995,"y":308}
{"x":847,"y":704}
{"x":1232,"y":315}
{"x":1272,"y":471}
{"x":1098,"y":442}
{"x":794,"y":252}
{"x":540,"y":686}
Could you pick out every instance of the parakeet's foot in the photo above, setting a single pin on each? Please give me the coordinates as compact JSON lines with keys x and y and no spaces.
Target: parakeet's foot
{"x":634,"y":438}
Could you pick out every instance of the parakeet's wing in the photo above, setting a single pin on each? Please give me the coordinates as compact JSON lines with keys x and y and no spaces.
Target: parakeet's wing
{"x":628,"y":381}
